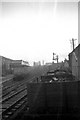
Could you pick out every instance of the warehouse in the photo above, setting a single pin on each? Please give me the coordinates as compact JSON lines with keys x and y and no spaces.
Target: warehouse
{"x":74,"y":62}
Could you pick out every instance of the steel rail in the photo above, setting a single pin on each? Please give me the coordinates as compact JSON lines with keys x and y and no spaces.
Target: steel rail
{"x":14,"y":102}
{"x":11,"y":110}
{"x":10,"y":96}
{"x":13,"y":88}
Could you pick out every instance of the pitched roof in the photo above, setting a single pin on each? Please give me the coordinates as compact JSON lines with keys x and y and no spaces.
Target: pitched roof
{"x":75,"y":49}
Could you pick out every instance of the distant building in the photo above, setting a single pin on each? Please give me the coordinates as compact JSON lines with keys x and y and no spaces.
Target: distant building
{"x":25,"y":63}
{"x":43,"y":62}
{"x":48,"y":63}
{"x":7,"y":65}
{"x":74,"y":61}
{"x":18,"y":63}
{"x":36,"y":63}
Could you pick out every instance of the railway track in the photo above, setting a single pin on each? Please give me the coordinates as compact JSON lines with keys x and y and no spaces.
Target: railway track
{"x":4,"y":90}
{"x":13,"y":103}
{"x":6,"y":81}
{"x":14,"y":106}
{"x":14,"y":96}
{"x":11,"y":89}
{"x":14,"y":87}
{"x":14,"y":100}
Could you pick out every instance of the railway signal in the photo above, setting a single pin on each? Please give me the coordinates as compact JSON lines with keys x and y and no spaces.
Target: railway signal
{"x":55,"y":58}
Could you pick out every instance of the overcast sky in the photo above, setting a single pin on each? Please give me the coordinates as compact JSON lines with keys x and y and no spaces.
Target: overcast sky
{"x":33,"y":31}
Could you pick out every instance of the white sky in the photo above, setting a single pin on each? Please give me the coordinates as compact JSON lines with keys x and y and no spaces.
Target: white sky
{"x":33,"y":31}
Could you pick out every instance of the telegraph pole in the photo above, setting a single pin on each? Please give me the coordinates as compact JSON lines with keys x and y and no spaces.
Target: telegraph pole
{"x":73,"y":42}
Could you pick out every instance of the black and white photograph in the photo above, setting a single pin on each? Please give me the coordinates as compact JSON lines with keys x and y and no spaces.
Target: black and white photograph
{"x":39,"y":59}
